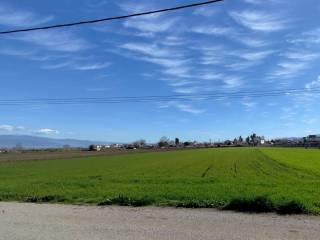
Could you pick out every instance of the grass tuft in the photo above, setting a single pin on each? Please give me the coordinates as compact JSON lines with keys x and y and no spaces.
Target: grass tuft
{"x":292,"y":207}
{"x":196,"y":204}
{"x":254,"y":205}
{"x":123,"y":200}
{"x":44,"y":199}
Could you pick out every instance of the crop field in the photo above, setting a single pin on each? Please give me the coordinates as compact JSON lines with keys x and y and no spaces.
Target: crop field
{"x":243,"y":179}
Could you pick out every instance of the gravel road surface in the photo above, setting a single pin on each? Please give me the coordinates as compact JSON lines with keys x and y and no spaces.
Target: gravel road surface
{"x":47,"y":221}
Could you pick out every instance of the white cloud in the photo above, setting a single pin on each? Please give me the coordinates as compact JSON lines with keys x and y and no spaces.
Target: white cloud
{"x":20,"y":18}
{"x":15,"y":129}
{"x":174,"y":41}
{"x":289,"y":69}
{"x":263,"y":1}
{"x":77,"y":66}
{"x":178,"y":71}
{"x":182,"y":107}
{"x":56,"y":65}
{"x":47,"y":131}
{"x":11,"y":128}
{"x":177,"y":82}
{"x":308,"y":37}
{"x":147,"y":49}
{"x":301,"y":55}
{"x":7,"y":128}
{"x":233,"y":81}
{"x":93,"y":66}
{"x":16,"y":52}
{"x":259,"y":21}
{"x":56,"y":40}
{"x":189,"y":109}
{"x":150,"y":27}
{"x":135,"y":7}
{"x":251,"y":42}
{"x":212,"y":55}
{"x":211,"y":76}
{"x":253,"y":56}
{"x":214,"y":30}
{"x":186,"y":90}
{"x":294,"y":63}
{"x":248,"y":103}
{"x":96,"y":4}
{"x":240,"y":65}
{"x":173,"y":62}
{"x":253,"y":1}
{"x":205,"y":11}
{"x":314,"y":84}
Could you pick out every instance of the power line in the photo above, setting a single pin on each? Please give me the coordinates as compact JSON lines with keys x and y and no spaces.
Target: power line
{"x":160,"y":99}
{"x":110,"y":18}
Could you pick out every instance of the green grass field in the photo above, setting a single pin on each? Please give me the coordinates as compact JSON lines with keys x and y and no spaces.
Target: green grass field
{"x":245,"y":179}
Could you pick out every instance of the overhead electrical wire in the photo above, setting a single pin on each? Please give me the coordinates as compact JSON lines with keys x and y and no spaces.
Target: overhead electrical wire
{"x":160,"y":99}
{"x":109,"y":18}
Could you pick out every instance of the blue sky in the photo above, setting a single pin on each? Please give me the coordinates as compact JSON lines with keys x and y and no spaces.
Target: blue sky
{"x":235,"y":45}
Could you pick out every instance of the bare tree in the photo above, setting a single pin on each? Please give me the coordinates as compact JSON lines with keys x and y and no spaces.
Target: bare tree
{"x":163,"y":142}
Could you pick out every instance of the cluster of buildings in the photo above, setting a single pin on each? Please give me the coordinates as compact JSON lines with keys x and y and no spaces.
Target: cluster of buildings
{"x":100,"y":147}
{"x":309,"y":141}
{"x":252,"y":140}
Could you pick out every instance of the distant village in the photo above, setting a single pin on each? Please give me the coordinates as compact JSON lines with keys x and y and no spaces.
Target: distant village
{"x":311,"y":141}
{"x":254,"y":140}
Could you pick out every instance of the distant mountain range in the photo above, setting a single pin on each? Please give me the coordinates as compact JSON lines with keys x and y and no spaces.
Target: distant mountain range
{"x":10,"y":141}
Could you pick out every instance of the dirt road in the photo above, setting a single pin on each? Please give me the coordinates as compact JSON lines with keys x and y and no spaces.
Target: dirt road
{"x":33,"y":222}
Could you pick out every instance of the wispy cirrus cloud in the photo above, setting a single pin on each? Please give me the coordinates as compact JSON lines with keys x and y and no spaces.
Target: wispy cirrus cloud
{"x":9,"y":51}
{"x":211,"y":55}
{"x":96,"y":4}
{"x":232,"y":82}
{"x":188,"y":108}
{"x":152,"y":50}
{"x":301,"y":55}
{"x":252,"y":55}
{"x":187,"y":90}
{"x":293,"y":64}
{"x":259,"y":20}
{"x":248,"y":103}
{"x":172,"y":60}
{"x":307,"y":37}
{"x":77,"y":66}
{"x":91,"y":66}
{"x":174,"y":41}
{"x":53,"y":66}
{"x":20,"y":18}
{"x":263,"y":1}
{"x":289,"y":69}
{"x":56,"y":40}
{"x":149,"y":25}
{"x":252,"y":42}
{"x":313,"y":84}
{"x":176,"y":82}
{"x":205,"y":11}
{"x":214,"y":30}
